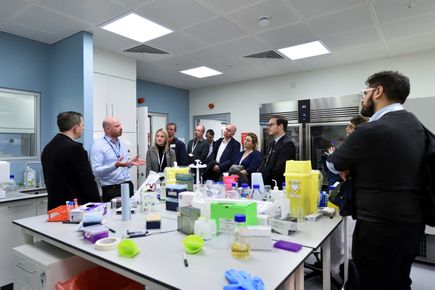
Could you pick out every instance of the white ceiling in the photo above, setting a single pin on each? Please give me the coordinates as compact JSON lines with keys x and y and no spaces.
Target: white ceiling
{"x":218,"y":33}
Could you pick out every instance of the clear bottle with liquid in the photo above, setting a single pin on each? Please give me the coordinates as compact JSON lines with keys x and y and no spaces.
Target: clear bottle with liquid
{"x":256,"y":194}
{"x":245,"y":192}
{"x":12,"y":185}
{"x":239,"y":244}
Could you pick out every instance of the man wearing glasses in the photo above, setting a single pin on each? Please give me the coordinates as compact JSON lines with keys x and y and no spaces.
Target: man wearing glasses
{"x":278,"y":152}
{"x":384,"y":158}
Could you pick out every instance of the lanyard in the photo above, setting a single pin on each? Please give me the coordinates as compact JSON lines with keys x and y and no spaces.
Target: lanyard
{"x":160,"y":160}
{"x":117,"y":153}
{"x":194,"y":146}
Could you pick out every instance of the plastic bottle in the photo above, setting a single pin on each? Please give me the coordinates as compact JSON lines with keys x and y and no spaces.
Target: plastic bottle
{"x":233,"y":192}
{"x":245,"y":192}
{"x":240,"y":243}
{"x":12,"y":186}
{"x":266,"y":193}
{"x":256,"y":194}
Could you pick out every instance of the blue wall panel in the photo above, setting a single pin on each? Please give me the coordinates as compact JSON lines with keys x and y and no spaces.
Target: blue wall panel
{"x":165,"y":99}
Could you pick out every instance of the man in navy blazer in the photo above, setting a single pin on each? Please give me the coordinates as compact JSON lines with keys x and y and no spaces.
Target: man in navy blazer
{"x":225,"y":151}
{"x":279,"y":151}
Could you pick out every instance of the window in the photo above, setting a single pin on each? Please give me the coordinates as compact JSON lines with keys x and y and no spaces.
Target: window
{"x":19,"y":125}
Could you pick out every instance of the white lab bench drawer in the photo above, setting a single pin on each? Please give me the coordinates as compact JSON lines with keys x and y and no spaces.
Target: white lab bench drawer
{"x":41,"y":265}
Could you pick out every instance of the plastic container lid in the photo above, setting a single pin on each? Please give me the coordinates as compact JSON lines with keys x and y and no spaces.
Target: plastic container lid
{"x":245,"y":185}
{"x":283,"y":184}
{"x":11,"y":176}
{"x":233,"y":184}
{"x":240,"y":218}
{"x":193,"y":243}
{"x":256,"y":186}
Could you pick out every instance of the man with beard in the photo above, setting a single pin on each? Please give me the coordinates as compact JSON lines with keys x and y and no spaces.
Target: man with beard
{"x":384,"y":159}
{"x":110,"y":161}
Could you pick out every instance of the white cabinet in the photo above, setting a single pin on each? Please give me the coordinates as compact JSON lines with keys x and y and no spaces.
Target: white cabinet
{"x":11,"y":235}
{"x":40,"y":266}
{"x":115,"y":97}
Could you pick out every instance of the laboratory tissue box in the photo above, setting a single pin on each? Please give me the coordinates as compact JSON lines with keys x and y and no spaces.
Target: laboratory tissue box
{"x":225,"y":211}
{"x":285,"y":226}
{"x":95,"y":233}
{"x":76,"y":214}
{"x":186,"y":219}
{"x":172,"y":192}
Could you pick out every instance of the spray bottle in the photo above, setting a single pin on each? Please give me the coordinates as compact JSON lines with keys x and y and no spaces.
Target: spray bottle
{"x":281,"y":202}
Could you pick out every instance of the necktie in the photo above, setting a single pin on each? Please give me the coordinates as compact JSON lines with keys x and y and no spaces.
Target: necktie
{"x":271,"y":145}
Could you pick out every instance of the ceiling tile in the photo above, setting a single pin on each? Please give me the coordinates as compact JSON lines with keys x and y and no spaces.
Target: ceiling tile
{"x":111,"y":41}
{"x":9,"y":7}
{"x":215,"y":31}
{"x":279,"y":14}
{"x":354,"y":38}
{"x":318,"y":62}
{"x":206,"y":55}
{"x":341,"y":22}
{"x":49,"y":21}
{"x":393,"y":10}
{"x":409,"y":27}
{"x":287,"y":36}
{"x":96,"y":11}
{"x":408,"y":45}
{"x":178,"y":63}
{"x":243,"y":46}
{"x":229,"y":5}
{"x":311,"y":8}
{"x":175,"y":14}
{"x":131,"y":4}
{"x":359,"y":53}
{"x":235,"y":67}
{"x":30,"y":33}
{"x":176,"y":43}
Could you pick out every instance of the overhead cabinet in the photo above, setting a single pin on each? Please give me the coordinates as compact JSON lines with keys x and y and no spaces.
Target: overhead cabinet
{"x":114,"y":96}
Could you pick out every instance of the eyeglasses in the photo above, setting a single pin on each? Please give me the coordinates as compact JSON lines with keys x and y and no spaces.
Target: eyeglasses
{"x":363,"y":93}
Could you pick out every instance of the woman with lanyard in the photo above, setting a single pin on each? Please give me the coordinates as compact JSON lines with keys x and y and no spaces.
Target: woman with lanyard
{"x":160,"y":155}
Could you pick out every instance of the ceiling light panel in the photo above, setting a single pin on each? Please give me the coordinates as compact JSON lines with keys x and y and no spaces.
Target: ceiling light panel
{"x":304,"y":50}
{"x":136,"y":27}
{"x":201,"y":72}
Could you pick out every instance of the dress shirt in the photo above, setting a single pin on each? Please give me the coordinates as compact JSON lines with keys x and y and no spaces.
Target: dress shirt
{"x":222,"y":149}
{"x":104,"y":154}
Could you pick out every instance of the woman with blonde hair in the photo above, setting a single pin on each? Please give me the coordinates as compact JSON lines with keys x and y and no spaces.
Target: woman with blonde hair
{"x":160,"y":155}
{"x":248,"y":160}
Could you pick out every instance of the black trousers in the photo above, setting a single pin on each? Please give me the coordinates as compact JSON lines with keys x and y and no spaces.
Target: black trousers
{"x":383,"y":254}
{"x":111,"y":191}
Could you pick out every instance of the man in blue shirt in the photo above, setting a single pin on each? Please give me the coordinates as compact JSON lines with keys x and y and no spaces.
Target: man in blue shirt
{"x":110,"y":160}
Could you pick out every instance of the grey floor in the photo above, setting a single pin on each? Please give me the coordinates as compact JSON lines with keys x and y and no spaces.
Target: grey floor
{"x":422,"y":275}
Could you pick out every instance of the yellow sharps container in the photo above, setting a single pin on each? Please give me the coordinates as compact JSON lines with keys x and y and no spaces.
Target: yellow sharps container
{"x":302,"y":187}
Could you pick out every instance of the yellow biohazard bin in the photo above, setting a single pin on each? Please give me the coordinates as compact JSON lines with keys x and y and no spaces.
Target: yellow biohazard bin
{"x":302,"y":187}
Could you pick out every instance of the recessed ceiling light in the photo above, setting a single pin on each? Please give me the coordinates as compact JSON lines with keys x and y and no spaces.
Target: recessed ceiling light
{"x":136,"y":27}
{"x":304,"y":50}
{"x":201,"y":72}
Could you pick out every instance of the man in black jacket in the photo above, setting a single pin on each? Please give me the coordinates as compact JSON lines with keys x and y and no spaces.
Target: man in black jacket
{"x":198,"y":146}
{"x":67,"y":171}
{"x":278,"y":152}
{"x":384,"y":158}
{"x":176,"y":144}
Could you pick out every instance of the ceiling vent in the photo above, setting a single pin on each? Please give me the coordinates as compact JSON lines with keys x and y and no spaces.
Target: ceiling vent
{"x":270,"y":54}
{"x":145,"y":49}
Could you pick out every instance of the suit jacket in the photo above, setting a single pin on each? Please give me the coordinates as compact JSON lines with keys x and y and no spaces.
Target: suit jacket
{"x":152,"y":161}
{"x":251,"y":162}
{"x":67,"y":172}
{"x":283,"y":150}
{"x":200,"y":152}
{"x":180,"y":151}
{"x":229,"y":154}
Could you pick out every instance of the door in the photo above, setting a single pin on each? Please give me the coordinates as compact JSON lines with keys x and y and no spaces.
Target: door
{"x":143,"y":139}
{"x":320,"y":136}
{"x":157,"y":121}
{"x":122,"y":102}
{"x":101,"y":100}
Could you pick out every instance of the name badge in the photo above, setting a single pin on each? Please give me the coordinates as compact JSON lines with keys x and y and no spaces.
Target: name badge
{"x":172,"y":145}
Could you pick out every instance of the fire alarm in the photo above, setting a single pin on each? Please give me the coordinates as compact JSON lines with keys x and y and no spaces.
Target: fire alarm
{"x":141,"y":100}
{"x":211,"y":106}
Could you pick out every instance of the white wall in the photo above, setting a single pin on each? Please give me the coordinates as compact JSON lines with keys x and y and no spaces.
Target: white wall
{"x":242,"y":99}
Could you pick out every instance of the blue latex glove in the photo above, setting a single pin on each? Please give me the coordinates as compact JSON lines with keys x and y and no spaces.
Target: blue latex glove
{"x":240,"y":280}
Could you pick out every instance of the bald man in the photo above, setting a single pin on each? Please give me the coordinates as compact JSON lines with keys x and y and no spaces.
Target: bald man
{"x":225,"y":151}
{"x":110,"y":160}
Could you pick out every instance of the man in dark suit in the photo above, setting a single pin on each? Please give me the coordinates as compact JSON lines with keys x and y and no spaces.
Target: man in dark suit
{"x":225,"y":151}
{"x":279,"y":151}
{"x":176,"y":144}
{"x":209,"y":136}
{"x":67,"y":171}
{"x":198,"y":146}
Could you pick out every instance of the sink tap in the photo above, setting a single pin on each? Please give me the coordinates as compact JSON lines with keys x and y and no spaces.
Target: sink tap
{"x":26,"y":168}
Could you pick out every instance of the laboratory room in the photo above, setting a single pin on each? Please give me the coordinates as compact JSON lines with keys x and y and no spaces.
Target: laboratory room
{"x":216,"y":144}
